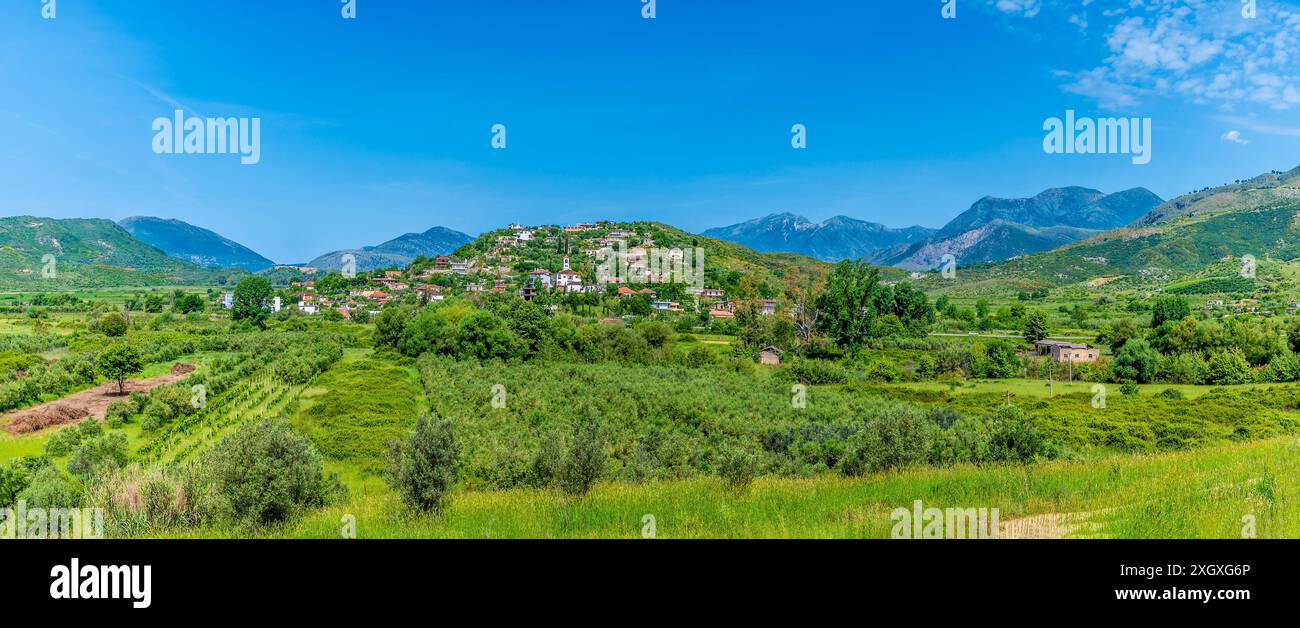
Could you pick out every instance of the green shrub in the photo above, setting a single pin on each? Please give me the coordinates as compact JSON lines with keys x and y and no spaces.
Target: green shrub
{"x":98,"y":454}
{"x":49,"y":488}
{"x":896,"y":438}
{"x":63,"y":442}
{"x":1229,"y":367}
{"x":266,"y":472}
{"x":700,"y":356}
{"x":90,"y":428}
{"x":1014,"y":437}
{"x":737,"y":465}
{"x":815,"y":372}
{"x":113,"y":325}
{"x":15,"y":477}
{"x":1136,"y":361}
{"x":586,"y":460}
{"x":423,"y":469}
{"x":119,"y":413}
{"x":139,"y":400}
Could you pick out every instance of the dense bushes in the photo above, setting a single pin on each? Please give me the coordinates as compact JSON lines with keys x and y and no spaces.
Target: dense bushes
{"x":66,"y":375}
{"x":98,"y":454}
{"x":901,"y":437}
{"x":663,"y":423}
{"x":510,"y":329}
{"x":815,"y":372}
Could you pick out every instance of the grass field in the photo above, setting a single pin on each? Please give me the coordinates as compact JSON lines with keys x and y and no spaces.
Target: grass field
{"x":1124,"y":496}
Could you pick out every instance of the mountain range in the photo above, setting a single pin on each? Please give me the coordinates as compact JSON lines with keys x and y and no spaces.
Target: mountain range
{"x":1060,"y":236}
{"x":992,"y":229}
{"x":995,"y":229}
{"x":837,"y":238}
{"x":397,"y":252}
{"x":1258,"y":217}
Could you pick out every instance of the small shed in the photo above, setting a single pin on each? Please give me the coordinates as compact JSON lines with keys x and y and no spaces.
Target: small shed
{"x":770,"y":356}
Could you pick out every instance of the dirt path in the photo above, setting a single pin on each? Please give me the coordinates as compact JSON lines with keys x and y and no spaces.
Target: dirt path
{"x":90,"y":402}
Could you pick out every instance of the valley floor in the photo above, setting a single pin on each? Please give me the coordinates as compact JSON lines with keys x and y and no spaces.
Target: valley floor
{"x":1219,"y":492}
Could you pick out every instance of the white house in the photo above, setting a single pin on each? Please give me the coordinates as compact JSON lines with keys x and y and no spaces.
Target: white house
{"x":568,"y":280}
{"x":542,"y":277}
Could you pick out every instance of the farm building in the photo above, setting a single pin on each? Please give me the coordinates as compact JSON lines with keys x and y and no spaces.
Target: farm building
{"x":770,"y":356}
{"x":1067,"y":351}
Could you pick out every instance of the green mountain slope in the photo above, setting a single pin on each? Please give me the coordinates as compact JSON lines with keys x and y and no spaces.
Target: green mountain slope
{"x":1153,"y":255}
{"x":1252,"y":192}
{"x":196,"y":245}
{"x":86,"y":253}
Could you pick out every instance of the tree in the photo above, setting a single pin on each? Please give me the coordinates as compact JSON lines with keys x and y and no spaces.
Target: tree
{"x":119,"y":362}
{"x":847,"y":307}
{"x":1136,"y":362}
{"x":251,"y":297}
{"x":1001,"y":361}
{"x":1035,"y":326}
{"x":485,"y":336}
{"x":423,"y":469}
{"x":1169,"y":308}
{"x":188,"y":302}
{"x":1229,"y":367}
{"x":1118,"y":333}
{"x":586,"y":459}
{"x":113,"y":325}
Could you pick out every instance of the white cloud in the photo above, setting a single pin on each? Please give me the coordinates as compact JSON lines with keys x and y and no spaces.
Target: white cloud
{"x":1201,"y":51}
{"x":1027,"y":8}
{"x":1234,"y":136}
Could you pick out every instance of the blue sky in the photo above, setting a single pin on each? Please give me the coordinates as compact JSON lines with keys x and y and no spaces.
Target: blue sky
{"x":382,"y":125}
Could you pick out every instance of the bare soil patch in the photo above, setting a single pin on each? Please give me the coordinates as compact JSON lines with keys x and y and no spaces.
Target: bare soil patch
{"x":92,"y":402}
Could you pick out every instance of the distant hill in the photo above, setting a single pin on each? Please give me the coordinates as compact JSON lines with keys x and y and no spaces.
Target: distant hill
{"x":1180,"y":239}
{"x":1274,"y":185}
{"x":835,"y":239}
{"x":397,"y":252}
{"x":196,"y":245}
{"x":728,"y":266}
{"x":1000,"y":228}
{"x":88,"y":253}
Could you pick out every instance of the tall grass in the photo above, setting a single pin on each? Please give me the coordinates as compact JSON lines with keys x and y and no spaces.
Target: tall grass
{"x":1196,"y":494}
